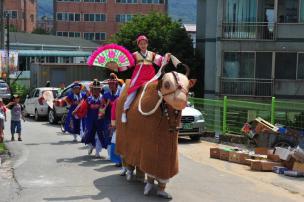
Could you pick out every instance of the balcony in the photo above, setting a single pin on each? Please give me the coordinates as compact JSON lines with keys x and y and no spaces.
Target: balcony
{"x":249,"y":31}
{"x":246,"y":87}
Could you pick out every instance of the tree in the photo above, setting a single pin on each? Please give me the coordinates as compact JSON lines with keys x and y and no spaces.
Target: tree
{"x":39,"y":30}
{"x":165,"y":36}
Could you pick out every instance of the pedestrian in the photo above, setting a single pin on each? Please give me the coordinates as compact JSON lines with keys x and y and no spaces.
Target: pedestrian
{"x":16,"y":115}
{"x":143,"y":72}
{"x":48,"y":84}
{"x":72,"y":123}
{"x":94,"y":120}
{"x":2,"y":119}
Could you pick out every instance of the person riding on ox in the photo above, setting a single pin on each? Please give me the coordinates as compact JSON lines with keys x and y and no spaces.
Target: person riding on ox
{"x":143,"y":72}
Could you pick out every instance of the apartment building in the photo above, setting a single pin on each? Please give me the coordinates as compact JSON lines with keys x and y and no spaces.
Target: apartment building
{"x":22,"y":14}
{"x":252,"y":48}
{"x":98,"y":19}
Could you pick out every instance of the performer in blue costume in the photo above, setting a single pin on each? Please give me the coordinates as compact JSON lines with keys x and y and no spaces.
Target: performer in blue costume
{"x":109,"y":97}
{"x":72,"y":124}
{"x":94,"y":121}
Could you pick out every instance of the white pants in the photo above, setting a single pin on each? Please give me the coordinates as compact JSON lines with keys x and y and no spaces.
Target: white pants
{"x":129,"y":100}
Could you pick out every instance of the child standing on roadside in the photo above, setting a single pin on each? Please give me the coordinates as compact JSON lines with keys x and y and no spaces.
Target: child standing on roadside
{"x":16,"y":115}
{"x":2,"y":119}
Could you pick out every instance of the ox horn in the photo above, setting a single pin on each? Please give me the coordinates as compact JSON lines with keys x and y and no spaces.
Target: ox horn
{"x":175,"y":61}
{"x":187,"y":69}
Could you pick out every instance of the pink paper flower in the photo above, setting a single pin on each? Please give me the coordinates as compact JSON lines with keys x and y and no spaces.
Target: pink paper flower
{"x":111,"y":54}
{"x":101,"y":59}
{"x":122,"y":59}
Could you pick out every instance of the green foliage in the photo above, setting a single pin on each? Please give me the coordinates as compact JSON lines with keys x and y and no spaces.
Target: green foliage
{"x":165,"y":36}
{"x":20,"y":90}
{"x":2,"y":148}
{"x":12,"y":28}
{"x":39,"y":30}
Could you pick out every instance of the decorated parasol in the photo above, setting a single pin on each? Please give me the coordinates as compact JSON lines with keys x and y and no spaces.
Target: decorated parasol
{"x":111,"y":56}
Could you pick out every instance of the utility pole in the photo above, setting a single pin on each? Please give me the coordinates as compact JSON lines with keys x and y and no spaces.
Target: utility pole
{"x":1,"y":24}
{"x":8,"y":48}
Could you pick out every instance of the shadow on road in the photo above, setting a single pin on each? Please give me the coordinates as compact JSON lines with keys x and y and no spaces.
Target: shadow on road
{"x":113,"y":188}
{"x":184,"y":140}
{"x":85,"y":161}
{"x":63,"y":143}
{"x":51,"y":125}
{"x":107,"y":168}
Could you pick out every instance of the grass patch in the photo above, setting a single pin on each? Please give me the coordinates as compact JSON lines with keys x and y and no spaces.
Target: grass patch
{"x":2,"y":148}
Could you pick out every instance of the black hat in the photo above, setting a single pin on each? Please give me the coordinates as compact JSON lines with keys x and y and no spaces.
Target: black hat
{"x":96,"y":84}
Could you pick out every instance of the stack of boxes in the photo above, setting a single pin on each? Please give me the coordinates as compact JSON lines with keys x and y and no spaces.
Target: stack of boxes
{"x":279,"y":161}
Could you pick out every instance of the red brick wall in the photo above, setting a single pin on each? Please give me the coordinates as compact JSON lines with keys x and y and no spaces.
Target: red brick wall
{"x":111,"y":9}
{"x":25,"y":9}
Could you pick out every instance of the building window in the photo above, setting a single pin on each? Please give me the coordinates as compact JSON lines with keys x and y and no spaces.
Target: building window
{"x":302,"y":11}
{"x":94,"y":17}
{"x":240,"y":11}
{"x":300,"y":71}
{"x":153,"y":1}
{"x":122,"y":18}
{"x":95,"y":1}
{"x":286,"y":66}
{"x":288,"y":11}
{"x":12,"y":14}
{"x":100,"y":36}
{"x":263,"y":66}
{"x":68,"y":16}
{"x":88,"y":35}
{"x":126,"y":1}
{"x":32,"y":18}
{"x":239,"y":64}
{"x":69,"y":0}
{"x":94,"y":36}
{"x":69,"y":34}
{"x":77,"y":17}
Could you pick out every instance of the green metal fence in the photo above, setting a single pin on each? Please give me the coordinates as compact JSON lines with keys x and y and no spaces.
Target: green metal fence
{"x":229,"y":115}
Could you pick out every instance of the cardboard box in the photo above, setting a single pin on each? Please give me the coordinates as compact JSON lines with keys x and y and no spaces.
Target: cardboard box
{"x":255,"y":164}
{"x":258,"y":157}
{"x":238,"y":157}
{"x":261,"y":150}
{"x":263,"y":165}
{"x":273,"y":157}
{"x":268,"y":165}
{"x":215,"y":153}
{"x":298,"y":167}
{"x":224,"y":155}
{"x":289,"y":164}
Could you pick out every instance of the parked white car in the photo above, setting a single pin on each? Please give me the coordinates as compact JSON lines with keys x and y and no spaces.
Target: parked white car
{"x":38,"y":102}
{"x":192,"y":123}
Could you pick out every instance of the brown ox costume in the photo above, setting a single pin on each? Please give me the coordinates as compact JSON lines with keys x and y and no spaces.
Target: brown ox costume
{"x":149,"y":142}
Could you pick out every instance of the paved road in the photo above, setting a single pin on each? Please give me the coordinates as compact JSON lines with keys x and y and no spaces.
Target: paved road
{"x":49,"y":167}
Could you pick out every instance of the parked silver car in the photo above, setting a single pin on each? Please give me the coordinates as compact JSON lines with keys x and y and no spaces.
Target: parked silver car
{"x":5,"y":91}
{"x":192,"y":123}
